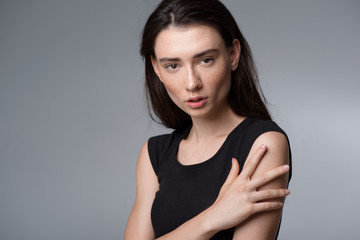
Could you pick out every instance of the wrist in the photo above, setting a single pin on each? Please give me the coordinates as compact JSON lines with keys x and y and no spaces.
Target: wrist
{"x":207,"y":224}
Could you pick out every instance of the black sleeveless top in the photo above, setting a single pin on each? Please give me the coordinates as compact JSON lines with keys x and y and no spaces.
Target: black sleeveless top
{"x":187,"y":190}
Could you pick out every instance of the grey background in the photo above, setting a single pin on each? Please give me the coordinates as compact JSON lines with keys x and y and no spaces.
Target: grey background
{"x":73,"y":115}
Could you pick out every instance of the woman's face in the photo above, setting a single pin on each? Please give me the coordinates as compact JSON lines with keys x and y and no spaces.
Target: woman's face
{"x":195,"y":67}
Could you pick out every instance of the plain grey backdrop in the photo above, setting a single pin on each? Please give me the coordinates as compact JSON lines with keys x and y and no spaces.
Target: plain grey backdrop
{"x":73,"y":115}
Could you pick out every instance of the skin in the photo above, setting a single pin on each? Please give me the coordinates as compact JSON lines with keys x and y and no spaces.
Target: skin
{"x":194,"y":62}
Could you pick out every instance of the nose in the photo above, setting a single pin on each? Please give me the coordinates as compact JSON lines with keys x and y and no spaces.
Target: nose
{"x":193,"y":81}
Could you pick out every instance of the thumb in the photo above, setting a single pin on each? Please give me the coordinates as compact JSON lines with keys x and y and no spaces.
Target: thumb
{"x":234,"y":171}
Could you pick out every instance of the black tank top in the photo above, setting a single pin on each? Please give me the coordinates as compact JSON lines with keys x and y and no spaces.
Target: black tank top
{"x":187,"y":190}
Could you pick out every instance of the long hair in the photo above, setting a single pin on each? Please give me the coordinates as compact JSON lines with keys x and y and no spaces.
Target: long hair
{"x":245,"y":96}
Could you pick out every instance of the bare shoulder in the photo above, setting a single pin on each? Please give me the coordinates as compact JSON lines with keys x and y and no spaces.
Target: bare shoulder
{"x":277,"y":148}
{"x":277,"y":154}
{"x":145,"y":174}
{"x":143,"y":157}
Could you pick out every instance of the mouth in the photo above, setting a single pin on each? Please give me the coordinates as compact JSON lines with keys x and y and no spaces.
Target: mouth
{"x":195,"y":99}
{"x":196,"y":102}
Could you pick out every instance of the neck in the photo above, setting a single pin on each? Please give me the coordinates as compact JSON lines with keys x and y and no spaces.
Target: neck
{"x":219,"y":126}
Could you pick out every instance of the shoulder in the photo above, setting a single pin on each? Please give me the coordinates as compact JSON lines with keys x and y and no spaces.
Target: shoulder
{"x":258,"y":126}
{"x":159,"y":140}
{"x":164,"y":139}
{"x":159,"y":146}
{"x":144,"y":172}
{"x":277,"y":153}
{"x":267,"y":132}
{"x":143,"y":163}
{"x":276,"y":143}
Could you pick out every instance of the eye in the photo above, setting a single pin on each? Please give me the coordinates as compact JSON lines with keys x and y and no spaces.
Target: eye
{"x":206,"y":60}
{"x":172,"y":66}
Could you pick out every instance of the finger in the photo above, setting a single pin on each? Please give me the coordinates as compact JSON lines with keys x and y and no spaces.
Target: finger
{"x":268,"y":176}
{"x":253,"y":162}
{"x":261,"y":149}
{"x":268,"y":194}
{"x":234,"y":171}
{"x":266,"y":206}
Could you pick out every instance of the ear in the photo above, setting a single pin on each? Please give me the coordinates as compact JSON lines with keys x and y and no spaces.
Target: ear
{"x":235,"y":51}
{"x":155,"y":66}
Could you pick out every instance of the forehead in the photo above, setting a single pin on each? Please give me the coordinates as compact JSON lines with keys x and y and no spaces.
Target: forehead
{"x":184,"y":41}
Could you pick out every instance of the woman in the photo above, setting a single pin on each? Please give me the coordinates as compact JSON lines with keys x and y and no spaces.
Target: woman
{"x":201,"y":81}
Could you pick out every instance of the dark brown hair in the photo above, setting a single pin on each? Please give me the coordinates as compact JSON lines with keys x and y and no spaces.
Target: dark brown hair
{"x":245,"y":97}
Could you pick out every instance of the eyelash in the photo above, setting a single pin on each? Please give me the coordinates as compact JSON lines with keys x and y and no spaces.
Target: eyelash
{"x":207,"y":59}
{"x":170,"y":66}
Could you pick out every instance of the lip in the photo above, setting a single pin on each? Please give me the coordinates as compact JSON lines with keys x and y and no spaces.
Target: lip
{"x":196,"y":102}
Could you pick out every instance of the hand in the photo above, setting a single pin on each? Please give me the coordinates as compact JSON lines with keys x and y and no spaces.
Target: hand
{"x":238,"y":198}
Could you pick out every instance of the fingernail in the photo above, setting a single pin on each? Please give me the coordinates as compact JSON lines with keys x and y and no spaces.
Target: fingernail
{"x":287,"y":191}
{"x":263,"y":146}
{"x":286,"y":167}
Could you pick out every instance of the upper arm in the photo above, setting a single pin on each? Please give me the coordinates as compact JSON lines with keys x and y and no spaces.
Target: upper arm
{"x":139,"y":224}
{"x":264,"y":225}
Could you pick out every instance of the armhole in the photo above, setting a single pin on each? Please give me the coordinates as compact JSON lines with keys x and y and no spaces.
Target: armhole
{"x":153,"y":154}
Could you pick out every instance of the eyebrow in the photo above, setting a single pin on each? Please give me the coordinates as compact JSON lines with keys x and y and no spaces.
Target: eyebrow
{"x":212,"y":50}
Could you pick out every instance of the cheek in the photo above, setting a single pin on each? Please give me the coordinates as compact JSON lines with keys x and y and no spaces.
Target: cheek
{"x":172,"y":86}
{"x":221,"y":79}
